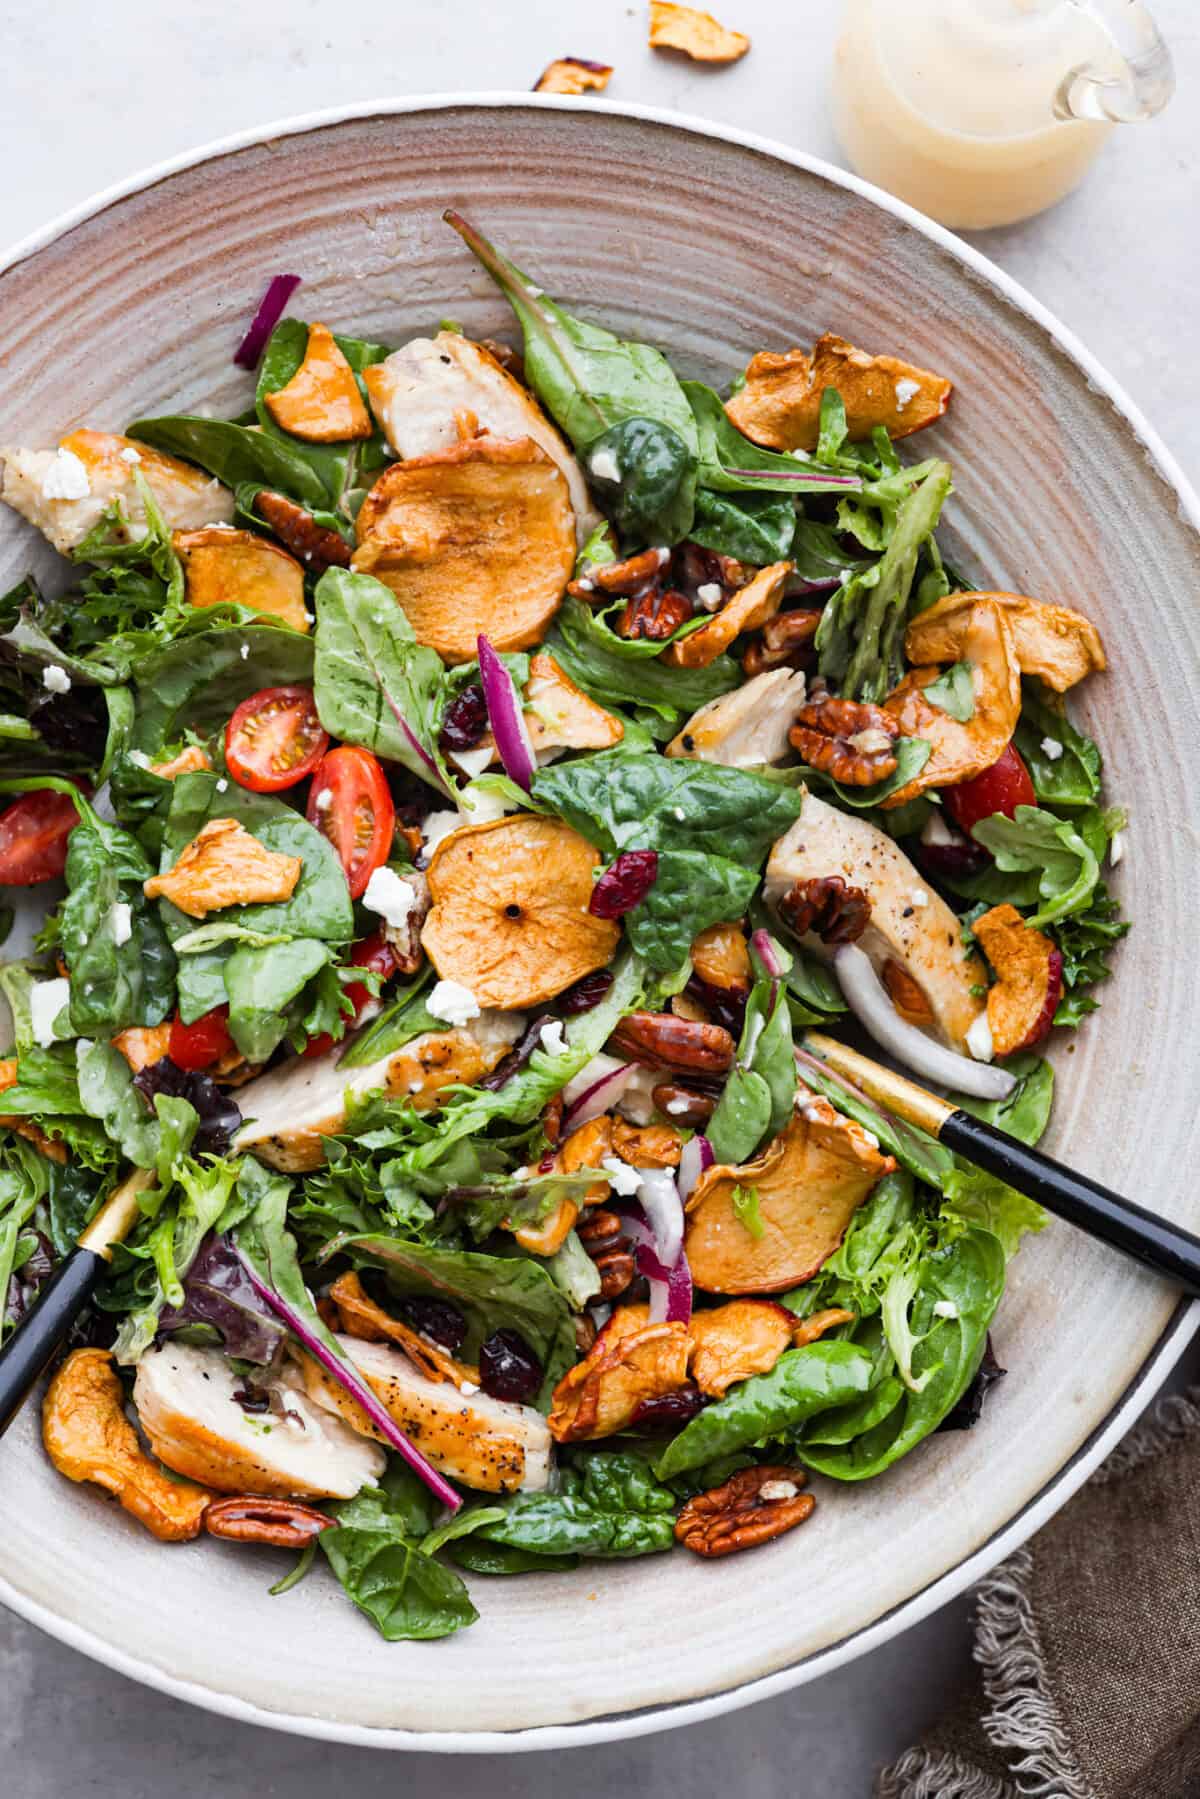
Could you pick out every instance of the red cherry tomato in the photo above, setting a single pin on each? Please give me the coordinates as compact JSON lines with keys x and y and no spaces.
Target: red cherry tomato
{"x":199,"y":1045}
{"x":374,"y":952}
{"x":274,"y":739}
{"x":33,"y":837}
{"x":1001,"y":788}
{"x":349,"y":803}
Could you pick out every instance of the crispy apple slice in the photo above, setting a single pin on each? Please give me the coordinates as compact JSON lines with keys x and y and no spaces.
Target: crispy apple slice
{"x":189,"y":760}
{"x":574,"y":75}
{"x":734,"y":1341}
{"x":479,"y":538}
{"x":631,"y":1361}
{"x":223,"y":866}
{"x":143,"y":1045}
{"x":780,"y":404}
{"x":962,"y":750}
{"x":810,"y":1182}
{"x":510,"y":917}
{"x":696,"y":33}
{"x":1055,"y":643}
{"x":236,"y":568}
{"x":750,"y":607}
{"x":321,"y":403}
{"x":1028,"y":965}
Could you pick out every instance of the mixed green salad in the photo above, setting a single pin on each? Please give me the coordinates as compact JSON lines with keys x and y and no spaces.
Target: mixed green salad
{"x":452,"y":791}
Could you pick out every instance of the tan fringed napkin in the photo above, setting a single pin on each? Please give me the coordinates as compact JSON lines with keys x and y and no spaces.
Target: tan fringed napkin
{"x":1087,"y":1644}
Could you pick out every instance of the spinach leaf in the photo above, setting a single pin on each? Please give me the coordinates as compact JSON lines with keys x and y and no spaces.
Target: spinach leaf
{"x":196,"y":682}
{"x":1026,"y":1112}
{"x":106,"y":1092}
{"x":756,"y":529}
{"x":608,"y":1505}
{"x":760,"y":1094}
{"x":261,"y":983}
{"x":693,"y":889}
{"x":1066,"y":866}
{"x":645,"y":475}
{"x":337,"y":465}
{"x":741,"y":1118}
{"x":731,"y":463}
{"x":803,"y":1381}
{"x":586,"y":378}
{"x":405,"y":1594}
{"x":234,"y":454}
{"x":1072,"y":777}
{"x":118,"y":977}
{"x":478,"y":1556}
{"x":619,"y":671}
{"x":374,"y":684}
{"x":954,"y":692}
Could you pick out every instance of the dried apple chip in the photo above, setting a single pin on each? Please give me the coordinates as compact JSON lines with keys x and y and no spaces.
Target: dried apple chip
{"x":1055,"y":643}
{"x":1028,"y":965}
{"x":321,"y":403}
{"x":574,"y":75}
{"x":223,"y":866}
{"x":236,"y":568}
{"x":962,"y":750}
{"x":750,"y":607}
{"x":696,"y":33}
{"x":510,"y":918}
{"x":478,"y":538}
{"x":780,"y":404}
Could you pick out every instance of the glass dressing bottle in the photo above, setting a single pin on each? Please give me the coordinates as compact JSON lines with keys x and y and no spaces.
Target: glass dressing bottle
{"x":982,"y":112}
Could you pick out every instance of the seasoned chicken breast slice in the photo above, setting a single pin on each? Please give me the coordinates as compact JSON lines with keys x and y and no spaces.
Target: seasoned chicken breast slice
{"x":421,"y":393}
{"x":185,"y":1401}
{"x":488,"y":1444}
{"x":913,"y":939}
{"x":291,"y":1111}
{"x":748,"y":727}
{"x":66,"y":492}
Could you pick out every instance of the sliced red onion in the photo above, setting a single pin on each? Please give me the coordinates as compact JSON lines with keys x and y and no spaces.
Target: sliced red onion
{"x":664,"y":1210}
{"x":599,"y":1092}
{"x":505,"y":716}
{"x":764,"y":948}
{"x":871,"y":1004}
{"x":670,"y":1287}
{"x":696,"y":1156}
{"x":280,"y":289}
{"x":344,"y":1374}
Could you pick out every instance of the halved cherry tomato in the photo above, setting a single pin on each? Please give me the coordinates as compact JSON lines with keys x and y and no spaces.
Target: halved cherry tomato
{"x":33,"y":837}
{"x":1001,"y":788}
{"x":200,"y":1044}
{"x":376,"y":953}
{"x":274,"y":739}
{"x":349,"y":802}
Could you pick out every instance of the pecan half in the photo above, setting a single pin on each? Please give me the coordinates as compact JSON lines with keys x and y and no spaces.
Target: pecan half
{"x":249,"y":1518}
{"x":848,"y":739}
{"x":315,"y":545}
{"x":827,"y":906}
{"x":655,"y":614}
{"x":753,"y":1506}
{"x":602,"y":1234}
{"x":683,"y":1105}
{"x":664,"y":1041}
{"x":784,"y":640}
{"x":625,"y":577}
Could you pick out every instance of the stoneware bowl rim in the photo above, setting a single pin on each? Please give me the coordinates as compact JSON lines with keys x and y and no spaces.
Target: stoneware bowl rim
{"x":1178,"y":1330}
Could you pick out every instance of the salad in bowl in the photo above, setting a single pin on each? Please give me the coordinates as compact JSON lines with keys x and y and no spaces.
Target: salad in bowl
{"x":461,"y":792}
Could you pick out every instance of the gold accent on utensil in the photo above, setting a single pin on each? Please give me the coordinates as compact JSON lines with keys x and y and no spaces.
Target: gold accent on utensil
{"x":883,"y":1085}
{"x":118,"y":1215}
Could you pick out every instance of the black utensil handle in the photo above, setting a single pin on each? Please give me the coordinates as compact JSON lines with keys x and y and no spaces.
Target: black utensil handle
{"x":1166,"y":1248}
{"x":28,"y":1351}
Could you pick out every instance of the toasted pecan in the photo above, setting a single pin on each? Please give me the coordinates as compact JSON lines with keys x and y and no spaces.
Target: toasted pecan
{"x":665,"y":1041}
{"x":753,"y":1506}
{"x":848,"y":739}
{"x":251,"y":1518}
{"x":828,"y":906}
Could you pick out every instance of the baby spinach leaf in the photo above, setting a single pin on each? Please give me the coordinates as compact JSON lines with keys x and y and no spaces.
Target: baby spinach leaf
{"x":478,"y":1556}
{"x":1067,"y":867}
{"x":954,"y":692}
{"x":741,"y":1118}
{"x":731,"y":463}
{"x":114,"y":983}
{"x":586,"y":378}
{"x":693,"y":889}
{"x":106,"y":1092}
{"x":803,"y":1381}
{"x":1026,"y":1112}
{"x":197,"y":680}
{"x":759,"y":1095}
{"x":374,"y":684}
{"x":234,"y":454}
{"x":619,"y":671}
{"x":405,"y":1594}
{"x":757,"y":528}
{"x":261,"y":983}
{"x":609,"y":1505}
{"x":651,"y":495}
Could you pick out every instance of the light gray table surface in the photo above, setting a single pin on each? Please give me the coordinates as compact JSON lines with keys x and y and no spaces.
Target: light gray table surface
{"x":93,"y":93}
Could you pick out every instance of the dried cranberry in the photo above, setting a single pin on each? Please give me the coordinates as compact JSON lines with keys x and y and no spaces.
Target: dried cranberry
{"x":508,"y":1368}
{"x":668,"y":1411}
{"x":724,"y":1005}
{"x":958,"y":860}
{"x":436,"y":1319}
{"x":624,"y":883}
{"x":465,"y":720}
{"x":586,"y":993}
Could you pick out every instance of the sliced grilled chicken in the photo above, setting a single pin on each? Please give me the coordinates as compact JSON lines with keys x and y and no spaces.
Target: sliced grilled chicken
{"x":745,"y":728}
{"x":913,"y":938}
{"x":488,"y":1444}
{"x":423,"y":392}
{"x":185,"y":1401}
{"x":291,"y":1111}
{"x":66,"y":492}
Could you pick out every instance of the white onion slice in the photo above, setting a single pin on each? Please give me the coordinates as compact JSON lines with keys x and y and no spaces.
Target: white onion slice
{"x":506,"y":716}
{"x":695,"y":1157}
{"x":868,"y":999}
{"x":594,"y":1089}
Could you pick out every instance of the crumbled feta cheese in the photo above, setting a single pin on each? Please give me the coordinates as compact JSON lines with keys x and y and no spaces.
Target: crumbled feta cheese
{"x":919,"y":897}
{"x":663,"y":554}
{"x":945,"y":1308}
{"x":906,"y":390}
{"x":622,"y":1178}
{"x":473,"y":762}
{"x":710,"y":595}
{"x":453,"y":1002}
{"x":393,"y":898}
{"x":139,"y":758}
{"x":46,"y":1001}
{"x":56,"y":679}
{"x":551,"y":1035}
{"x":121,"y":919}
{"x":222,"y":784}
{"x":870,"y":1137}
{"x":244,"y":651}
{"x":810,"y":1111}
{"x":1051,"y":747}
{"x":604,"y":466}
{"x":468,"y":1388}
{"x":66,"y":478}
{"x":979,"y":1039}
{"x":480,"y":807}
{"x":801,"y":455}
{"x":937,"y":832}
{"x":130,"y":455}
{"x":437,"y":826}
{"x":585,"y":584}
{"x":778,"y":1489}
{"x":679,"y":813}
{"x":1116,"y":848}
{"x":324,"y":799}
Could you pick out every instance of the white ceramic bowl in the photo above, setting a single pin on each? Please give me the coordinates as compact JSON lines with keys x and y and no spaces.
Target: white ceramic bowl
{"x":713,"y":244}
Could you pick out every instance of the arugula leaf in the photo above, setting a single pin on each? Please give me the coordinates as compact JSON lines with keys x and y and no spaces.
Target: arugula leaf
{"x":757,"y":529}
{"x":1072,"y":778}
{"x":608,"y":1505}
{"x":1066,"y":866}
{"x":197,"y":681}
{"x":954,"y":692}
{"x":621,"y":671}
{"x":374,"y":684}
{"x":406,"y":1595}
{"x":234,"y":454}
